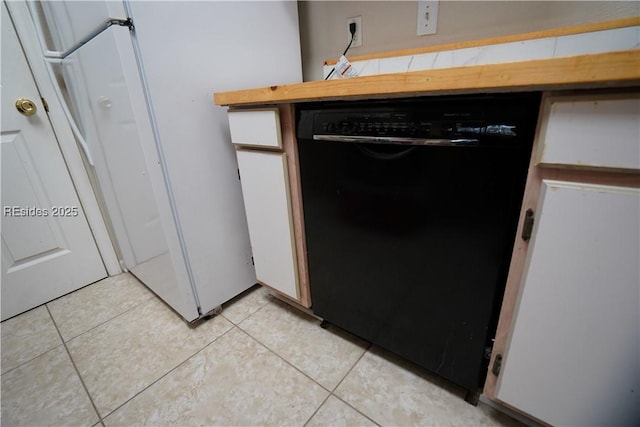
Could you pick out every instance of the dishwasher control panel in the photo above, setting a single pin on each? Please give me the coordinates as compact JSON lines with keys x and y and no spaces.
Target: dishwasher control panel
{"x":450,"y":117}
{"x":394,"y":124}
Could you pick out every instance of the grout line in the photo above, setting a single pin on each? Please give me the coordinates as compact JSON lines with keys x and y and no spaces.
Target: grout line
{"x":108,"y":320}
{"x":245,"y":318}
{"x":283,"y":359}
{"x":351,"y":368}
{"x":32,"y":359}
{"x":46,"y":307}
{"x":355,"y":409}
{"x":345,"y":377}
{"x":316,"y":382}
{"x":37,"y":355}
{"x":169,"y":371}
{"x":295,"y":367}
{"x":317,"y":409}
{"x":331,"y":392}
{"x":95,"y":408}
{"x":151,"y":296}
{"x":234,"y":326}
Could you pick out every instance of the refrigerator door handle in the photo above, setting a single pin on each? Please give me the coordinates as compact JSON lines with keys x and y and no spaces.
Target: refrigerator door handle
{"x":57,"y":57}
{"x":65,"y":109}
{"x":54,"y":54}
{"x":106,"y":25}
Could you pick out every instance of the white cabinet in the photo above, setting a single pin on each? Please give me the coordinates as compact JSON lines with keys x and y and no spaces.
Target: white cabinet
{"x":574,"y":353}
{"x":567,"y":346}
{"x":265,"y":188}
{"x":267,"y":160}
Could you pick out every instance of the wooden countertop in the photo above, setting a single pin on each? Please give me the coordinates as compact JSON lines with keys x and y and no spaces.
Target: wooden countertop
{"x":597,"y":70}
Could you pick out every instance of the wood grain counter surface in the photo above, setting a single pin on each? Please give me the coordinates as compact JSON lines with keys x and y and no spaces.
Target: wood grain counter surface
{"x":611,"y":69}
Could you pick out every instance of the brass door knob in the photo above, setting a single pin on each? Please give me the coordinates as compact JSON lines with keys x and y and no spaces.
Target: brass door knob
{"x":26,"y":106}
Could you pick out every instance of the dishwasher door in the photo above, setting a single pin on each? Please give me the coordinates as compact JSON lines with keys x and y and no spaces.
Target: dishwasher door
{"x":409,"y":245}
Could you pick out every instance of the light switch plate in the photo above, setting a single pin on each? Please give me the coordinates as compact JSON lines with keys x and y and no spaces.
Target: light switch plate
{"x":427,"y":17}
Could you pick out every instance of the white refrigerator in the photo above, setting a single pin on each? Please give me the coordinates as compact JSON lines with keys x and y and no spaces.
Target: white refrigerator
{"x":138,"y":79}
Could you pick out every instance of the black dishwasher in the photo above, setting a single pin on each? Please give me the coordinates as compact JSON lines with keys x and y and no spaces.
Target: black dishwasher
{"x":410,"y":210}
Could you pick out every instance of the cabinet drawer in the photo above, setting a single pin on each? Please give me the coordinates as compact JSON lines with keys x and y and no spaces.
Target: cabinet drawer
{"x":591,"y":131}
{"x":255,"y":128}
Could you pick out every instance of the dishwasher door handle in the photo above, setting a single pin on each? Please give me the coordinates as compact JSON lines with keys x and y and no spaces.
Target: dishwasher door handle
{"x":396,"y":140}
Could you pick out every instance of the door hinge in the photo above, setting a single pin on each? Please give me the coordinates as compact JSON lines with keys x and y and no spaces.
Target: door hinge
{"x":45,"y":104}
{"x":238,"y":173}
{"x":252,"y":263}
{"x":527,"y":227}
{"x":497,"y":364}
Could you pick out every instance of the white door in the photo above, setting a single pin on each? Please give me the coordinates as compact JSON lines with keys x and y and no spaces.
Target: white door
{"x":574,"y":352}
{"x":47,"y":247}
{"x":265,"y":187}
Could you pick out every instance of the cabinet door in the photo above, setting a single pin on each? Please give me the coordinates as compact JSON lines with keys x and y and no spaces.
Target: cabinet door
{"x":265,"y":188}
{"x":574,"y":353}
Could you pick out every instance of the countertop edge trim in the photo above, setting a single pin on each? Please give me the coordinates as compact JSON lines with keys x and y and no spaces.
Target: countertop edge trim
{"x":574,"y":71}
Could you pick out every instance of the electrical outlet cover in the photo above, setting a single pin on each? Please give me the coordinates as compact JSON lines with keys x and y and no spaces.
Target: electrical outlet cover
{"x":357,"y":41}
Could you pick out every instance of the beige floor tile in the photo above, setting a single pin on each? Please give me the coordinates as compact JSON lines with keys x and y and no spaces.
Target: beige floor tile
{"x":336,"y":413}
{"x":93,"y":305}
{"x":248,"y":303}
{"x":46,"y":391}
{"x":233,"y":382}
{"x":392,"y":391}
{"x":324,"y":355}
{"x":27,"y":336}
{"x":118,"y":359}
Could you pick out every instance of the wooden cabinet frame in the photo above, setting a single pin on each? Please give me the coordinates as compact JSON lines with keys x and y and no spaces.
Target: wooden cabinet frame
{"x":290,"y":147}
{"x":287,"y":123}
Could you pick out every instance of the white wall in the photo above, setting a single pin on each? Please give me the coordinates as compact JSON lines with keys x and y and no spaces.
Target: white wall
{"x":391,"y":25}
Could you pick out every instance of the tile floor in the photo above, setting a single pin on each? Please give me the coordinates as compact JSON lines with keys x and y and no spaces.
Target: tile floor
{"x":113,"y":354}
